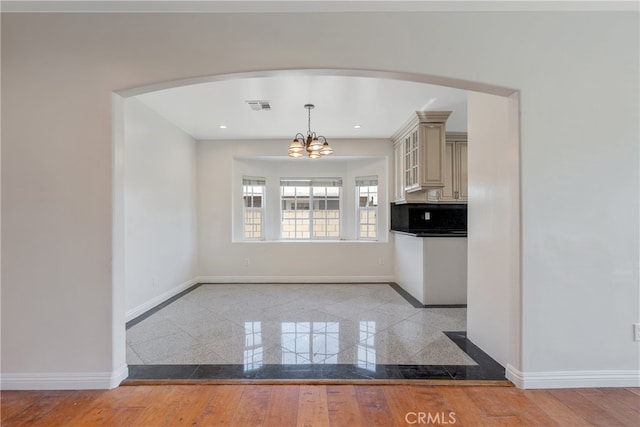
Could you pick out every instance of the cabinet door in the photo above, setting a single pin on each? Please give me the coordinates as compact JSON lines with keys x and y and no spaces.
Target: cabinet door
{"x":407,"y":162}
{"x":411,"y":150}
{"x":415,"y":157}
{"x":461,"y":173}
{"x":432,"y":146}
{"x":398,"y":154}
{"x":447,"y":192}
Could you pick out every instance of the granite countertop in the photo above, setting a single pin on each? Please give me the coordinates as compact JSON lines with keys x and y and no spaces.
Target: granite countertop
{"x":432,"y":233}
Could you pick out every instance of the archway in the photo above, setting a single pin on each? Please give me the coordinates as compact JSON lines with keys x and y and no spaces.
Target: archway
{"x":491,"y":104}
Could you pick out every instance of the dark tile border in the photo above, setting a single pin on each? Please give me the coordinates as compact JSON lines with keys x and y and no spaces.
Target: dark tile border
{"x":445,"y":306}
{"x":160,"y":306}
{"x":406,"y":295}
{"x":288,"y":372}
{"x":417,"y":304}
{"x":486,"y":369}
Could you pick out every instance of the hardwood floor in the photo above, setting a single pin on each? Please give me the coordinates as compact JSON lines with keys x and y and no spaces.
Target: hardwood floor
{"x":321,"y":405}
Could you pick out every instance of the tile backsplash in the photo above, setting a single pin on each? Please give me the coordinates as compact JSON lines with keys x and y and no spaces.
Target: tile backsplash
{"x":426,"y":216}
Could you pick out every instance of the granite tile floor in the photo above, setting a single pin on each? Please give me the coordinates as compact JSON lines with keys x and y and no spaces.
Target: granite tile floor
{"x":254,"y":325}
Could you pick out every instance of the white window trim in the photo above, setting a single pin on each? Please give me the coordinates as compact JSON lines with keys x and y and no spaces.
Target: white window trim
{"x":255,"y":181}
{"x":357,"y":206}
{"x":311,"y":238}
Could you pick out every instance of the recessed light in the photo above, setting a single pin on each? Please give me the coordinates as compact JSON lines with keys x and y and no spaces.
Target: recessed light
{"x":356,"y":126}
{"x":223,"y":126}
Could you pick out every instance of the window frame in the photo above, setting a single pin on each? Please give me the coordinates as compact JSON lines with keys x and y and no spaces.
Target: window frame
{"x":360,"y":182}
{"x":309,"y":182}
{"x":254,"y":182}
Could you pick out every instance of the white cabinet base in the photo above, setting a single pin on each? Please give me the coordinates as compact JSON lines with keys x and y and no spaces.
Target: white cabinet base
{"x":432,"y":269}
{"x":408,"y":259}
{"x":445,"y":270}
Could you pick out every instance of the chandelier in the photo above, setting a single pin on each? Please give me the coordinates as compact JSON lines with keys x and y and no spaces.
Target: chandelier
{"x":313,"y":145}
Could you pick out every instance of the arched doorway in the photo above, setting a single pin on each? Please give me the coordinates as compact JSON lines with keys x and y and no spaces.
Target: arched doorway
{"x":494,"y":255}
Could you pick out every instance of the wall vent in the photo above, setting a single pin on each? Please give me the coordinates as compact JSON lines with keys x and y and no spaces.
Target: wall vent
{"x":257,"y":105}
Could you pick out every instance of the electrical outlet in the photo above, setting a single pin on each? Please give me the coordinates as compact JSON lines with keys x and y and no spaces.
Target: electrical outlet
{"x":381,"y":261}
{"x":427,"y":216}
{"x":246,"y":262}
{"x":636,"y":331}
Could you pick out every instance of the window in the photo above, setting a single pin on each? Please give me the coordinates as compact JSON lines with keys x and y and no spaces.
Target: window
{"x":253,"y":208}
{"x":367,"y":207}
{"x":310,"y":208}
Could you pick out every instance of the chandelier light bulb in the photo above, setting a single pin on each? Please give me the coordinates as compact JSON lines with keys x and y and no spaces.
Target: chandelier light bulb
{"x":326,"y":149}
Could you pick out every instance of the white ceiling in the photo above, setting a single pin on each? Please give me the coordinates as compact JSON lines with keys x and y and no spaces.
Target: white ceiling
{"x":380,"y":106}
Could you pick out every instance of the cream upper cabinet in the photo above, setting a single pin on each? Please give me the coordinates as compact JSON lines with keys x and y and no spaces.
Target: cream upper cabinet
{"x":411,"y":156}
{"x":419,"y":150}
{"x":455,"y":171}
{"x":403,"y":173}
{"x":462,"y":172}
{"x":398,"y":166}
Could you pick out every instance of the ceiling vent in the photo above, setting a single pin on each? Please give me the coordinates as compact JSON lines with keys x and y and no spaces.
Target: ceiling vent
{"x":259,"y":105}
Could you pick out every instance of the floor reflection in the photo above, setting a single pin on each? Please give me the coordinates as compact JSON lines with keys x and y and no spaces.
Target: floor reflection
{"x":366,"y":346}
{"x":253,"y":348}
{"x":310,"y":342}
{"x":302,"y":343}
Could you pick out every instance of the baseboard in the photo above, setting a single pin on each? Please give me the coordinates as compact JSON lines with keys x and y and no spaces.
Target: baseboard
{"x":573,"y":379}
{"x":295,"y":279}
{"x":143,"y":308}
{"x":64,"y":381}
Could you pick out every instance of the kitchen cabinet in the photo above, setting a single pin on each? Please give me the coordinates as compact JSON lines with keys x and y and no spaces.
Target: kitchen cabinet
{"x":432,"y":269}
{"x":455,"y":171}
{"x":403,"y":158}
{"x":398,"y":167}
{"x":419,"y":150}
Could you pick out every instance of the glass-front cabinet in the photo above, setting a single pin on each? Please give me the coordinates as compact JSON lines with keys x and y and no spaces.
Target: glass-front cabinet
{"x":419,"y":152}
{"x":411,"y":161}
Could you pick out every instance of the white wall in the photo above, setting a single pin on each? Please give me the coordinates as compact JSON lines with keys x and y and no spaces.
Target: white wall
{"x":159,"y":209}
{"x":222,"y":258}
{"x":578,"y":76}
{"x":493,"y":223}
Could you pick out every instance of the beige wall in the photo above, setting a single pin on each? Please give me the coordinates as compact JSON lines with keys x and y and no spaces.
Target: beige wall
{"x":224,"y":256}
{"x":494,"y":226}
{"x":159,"y":209}
{"x":578,"y":77}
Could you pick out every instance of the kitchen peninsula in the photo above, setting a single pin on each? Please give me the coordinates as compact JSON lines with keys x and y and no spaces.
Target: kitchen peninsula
{"x":430,"y":254}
